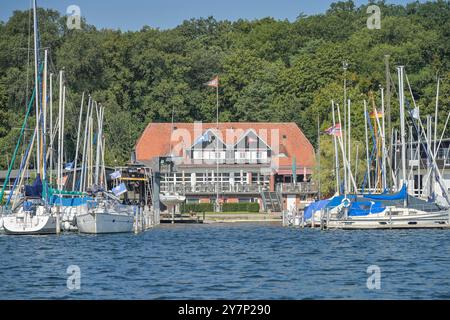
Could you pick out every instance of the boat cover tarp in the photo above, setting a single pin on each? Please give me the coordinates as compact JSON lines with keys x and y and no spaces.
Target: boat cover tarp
{"x":69,"y":202}
{"x":35,"y":190}
{"x":364,"y":208}
{"x":402,"y":194}
{"x":315,"y":206}
{"x":337,"y":200}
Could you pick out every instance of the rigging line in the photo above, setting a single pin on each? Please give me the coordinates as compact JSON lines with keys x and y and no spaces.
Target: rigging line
{"x":30,"y":105}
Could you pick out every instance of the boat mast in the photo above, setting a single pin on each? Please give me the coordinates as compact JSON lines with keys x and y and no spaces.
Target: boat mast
{"x":51,"y":128}
{"x":349,"y":141}
{"x":44,"y":111}
{"x":336,"y":153}
{"x":58,"y":174}
{"x":36,"y":83}
{"x":75,"y":161}
{"x":98,"y":142}
{"x":345,"y":129}
{"x":343,"y":152}
{"x":435,"y":134}
{"x":383,"y":141}
{"x":430,"y":169}
{"x":83,"y":161}
{"x":401,"y":93}
{"x":367,"y":144}
{"x":62,"y":135}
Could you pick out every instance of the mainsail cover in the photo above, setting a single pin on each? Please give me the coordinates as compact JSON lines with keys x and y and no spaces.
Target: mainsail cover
{"x":402,"y":194}
{"x":313,"y":207}
{"x":364,"y":208}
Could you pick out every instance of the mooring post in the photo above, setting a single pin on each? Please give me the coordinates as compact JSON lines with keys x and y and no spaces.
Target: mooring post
{"x":328,"y":217}
{"x":58,"y":223}
{"x":321,"y":219}
{"x":135,"y":221}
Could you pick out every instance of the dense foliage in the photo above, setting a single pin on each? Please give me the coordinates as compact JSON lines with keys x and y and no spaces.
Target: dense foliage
{"x":270,"y":70}
{"x":241,"y":207}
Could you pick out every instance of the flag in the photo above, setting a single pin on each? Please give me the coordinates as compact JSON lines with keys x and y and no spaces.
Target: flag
{"x":115,"y":175}
{"x":69,"y":166}
{"x":415,"y":113}
{"x":376,"y":114}
{"x":120,"y":189}
{"x":334,"y":130}
{"x":214,"y":82}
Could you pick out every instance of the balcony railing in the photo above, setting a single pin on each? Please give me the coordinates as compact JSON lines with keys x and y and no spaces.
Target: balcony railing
{"x":300,"y":187}
{"x":206,"y":188}
{"x":211,"y":188}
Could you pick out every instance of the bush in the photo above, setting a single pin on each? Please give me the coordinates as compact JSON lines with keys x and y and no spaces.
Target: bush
{"x":197,"y":207}
{"x":241,"y":207}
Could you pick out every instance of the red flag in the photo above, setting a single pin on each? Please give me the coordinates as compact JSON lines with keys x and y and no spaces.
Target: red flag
{"x":214,"y":82}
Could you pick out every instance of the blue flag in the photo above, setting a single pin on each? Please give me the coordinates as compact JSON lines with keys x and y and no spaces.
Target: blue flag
{"x":120,"y":189}
{"x":115,"y":175}
{"x":69,"y":166}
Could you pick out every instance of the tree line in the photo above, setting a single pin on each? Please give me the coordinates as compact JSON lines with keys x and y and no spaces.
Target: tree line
{"x":270,"y":70}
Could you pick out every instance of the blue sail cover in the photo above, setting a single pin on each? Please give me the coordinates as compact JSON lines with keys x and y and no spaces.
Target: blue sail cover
{"x":69,"y":202}
{"x":35,"y":190}
{"x":364,"y":208}
{"x":337,"y":200}
{"x":402,"y":194}
{"x":313,"y":207}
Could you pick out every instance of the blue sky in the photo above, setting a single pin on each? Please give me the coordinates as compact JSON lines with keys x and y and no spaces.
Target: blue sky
{"x":164,"y":14}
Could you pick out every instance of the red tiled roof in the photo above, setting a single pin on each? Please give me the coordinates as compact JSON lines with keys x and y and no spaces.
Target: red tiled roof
{"x":155,"y":140}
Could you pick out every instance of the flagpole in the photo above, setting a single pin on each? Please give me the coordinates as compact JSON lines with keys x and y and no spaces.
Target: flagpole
{"x":367,"y":144}
{"x":336,"y":153}
{"x":217,"y":146}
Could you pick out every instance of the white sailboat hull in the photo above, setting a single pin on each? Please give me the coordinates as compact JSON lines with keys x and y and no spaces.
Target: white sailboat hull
{"x":104,"y":222}
{"x":68,"y":216}
{"x":28,"y":225}
{"x":396,"y":219}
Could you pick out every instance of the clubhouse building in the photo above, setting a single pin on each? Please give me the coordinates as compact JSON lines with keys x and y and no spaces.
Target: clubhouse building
{"x":268,"y":163}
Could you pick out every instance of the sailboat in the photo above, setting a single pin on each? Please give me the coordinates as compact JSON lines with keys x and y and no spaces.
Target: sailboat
{"x":105,"y":213}
{"x":107,"y":216}
{"x":34,"y":216}
{"x":399,"y":210}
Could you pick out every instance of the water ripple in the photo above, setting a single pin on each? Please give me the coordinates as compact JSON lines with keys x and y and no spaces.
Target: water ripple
{"x":228,"y":261}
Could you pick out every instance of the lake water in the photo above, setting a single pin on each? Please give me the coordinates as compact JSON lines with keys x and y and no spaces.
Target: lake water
{"x":228,"y":261}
